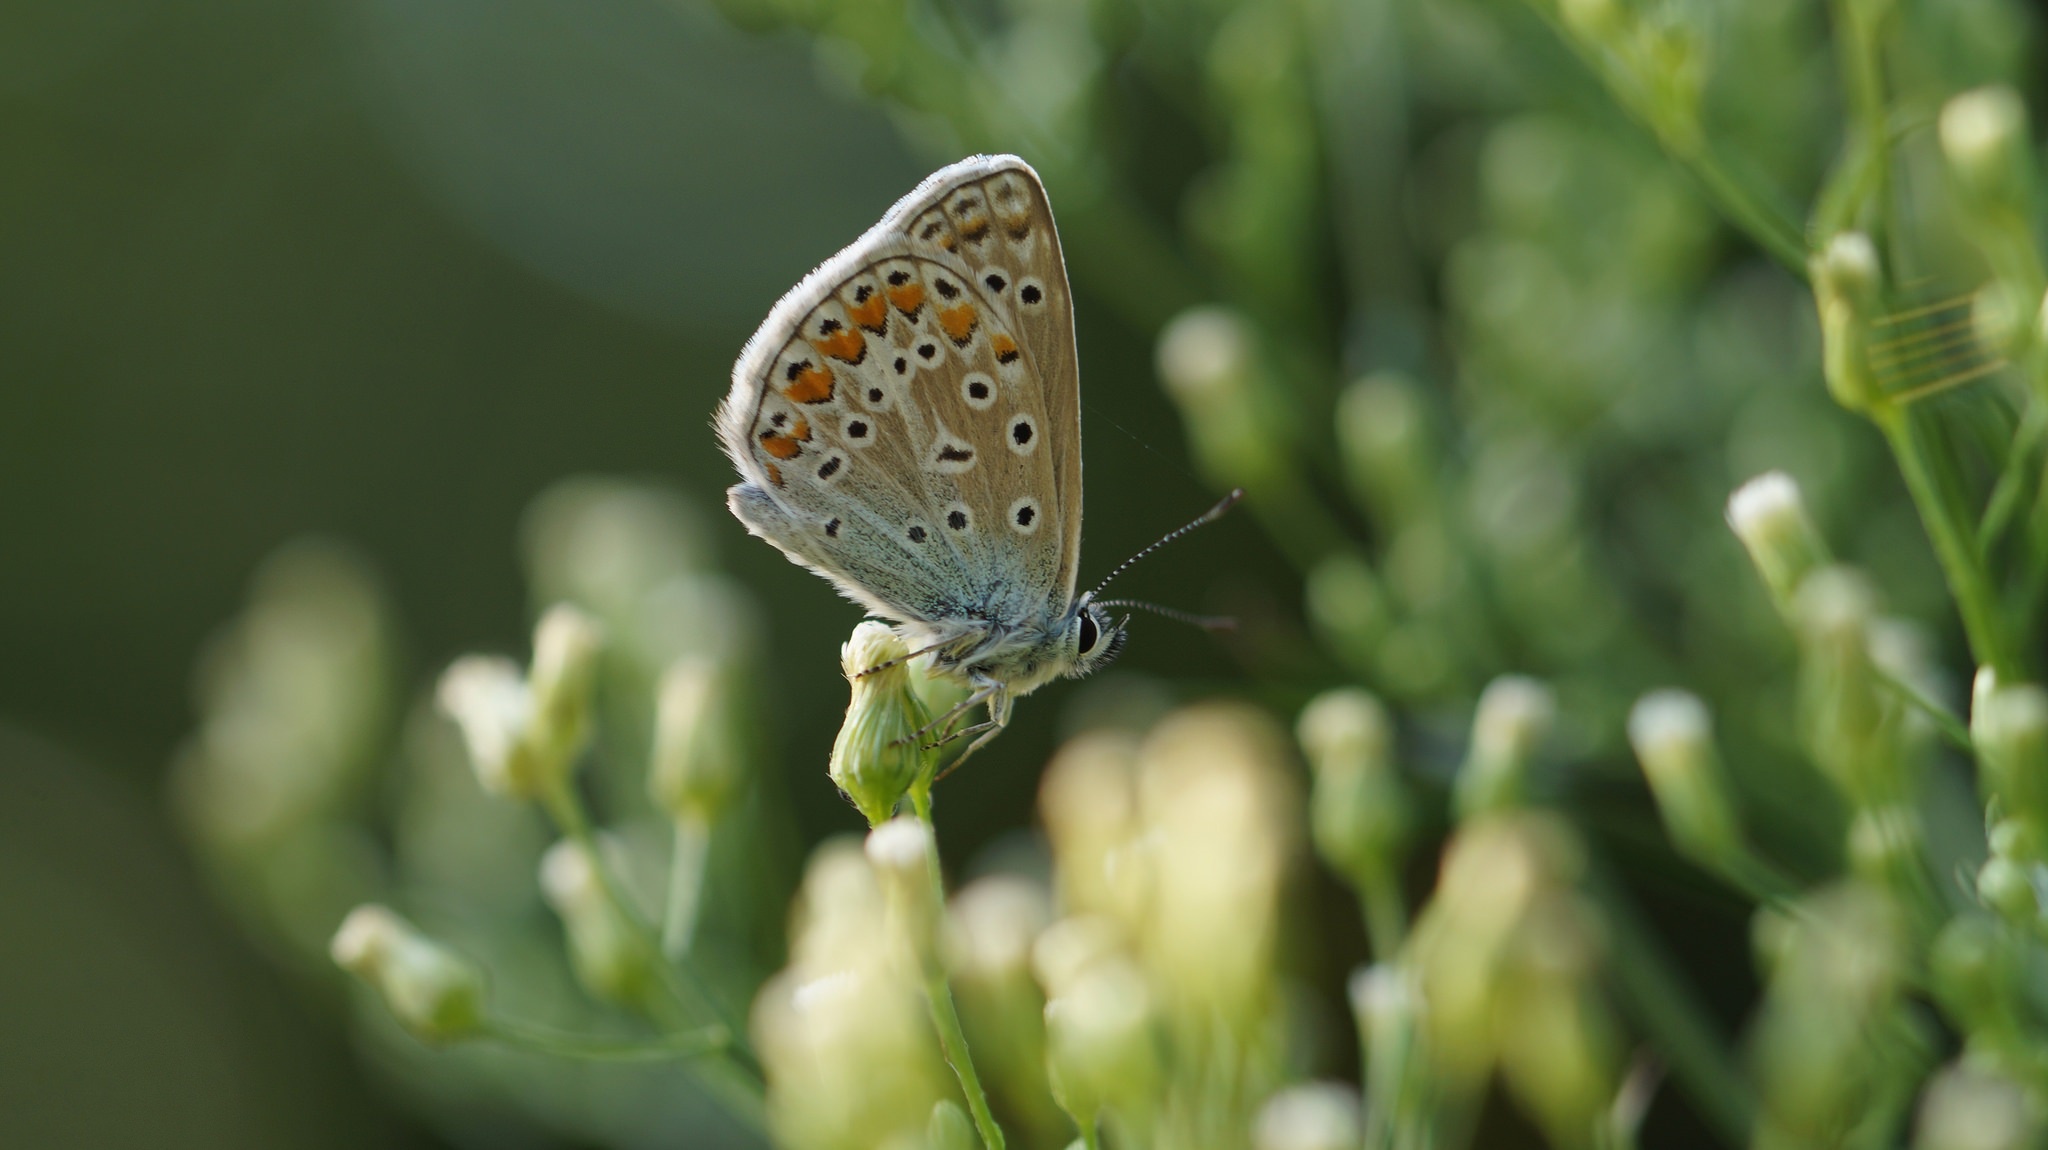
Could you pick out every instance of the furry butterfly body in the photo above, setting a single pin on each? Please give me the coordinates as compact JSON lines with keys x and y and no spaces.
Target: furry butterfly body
{"x":907,"y":423}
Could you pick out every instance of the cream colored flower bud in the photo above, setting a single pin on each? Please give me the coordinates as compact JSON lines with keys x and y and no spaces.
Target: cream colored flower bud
{"x":2009,"y":725}
{"x":901,"y":850}
{"x":1969,"y":1106}
{"x":611,"y":960}
{"x":848,"y":1055}
{"x":489,"y":700}
{"x":697,"y":752}
{"x":880,"y":753}
{"x":1204,"y":351}
{"x":1318,"y":1116}
{"x":1515,"y":714}
{"x":1849,"y":270}
{"x":1069,"y":948}
{"x":950,"y":1129}
{"x":1673,"y":737}
{"x":565,"y":649}
{"x":1101,"y":1048}
{"x":1769,"y":516}
{"x":991,"y":926}
{"x":1389,"y":450}
{"x":1088,"y":801}
{"x":1984,"y":138}
{"x":432,"y":991}
{"x":1360,"y":813}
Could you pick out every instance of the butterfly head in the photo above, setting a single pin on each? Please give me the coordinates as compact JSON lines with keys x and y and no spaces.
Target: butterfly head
{"x":1093,"y":639}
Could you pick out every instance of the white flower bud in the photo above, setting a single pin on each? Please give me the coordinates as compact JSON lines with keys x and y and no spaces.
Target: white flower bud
{"x":901,"y":850}
{"x":1088,"y":801}
{"x":433,"y":992}
{"x":697,"y":753}
{"x":1984,"y":138}
{"x":879,"y":754}
{"x":565,"y":648}
{"x":1514,"y":716}
{"x":1101,"y":1049}
{"x":2009,"y":725}
{"x":992,"y":925}
{"x":1768,"y":515}
{"x":611,"y":960}
{"x":1204,"y":351}
{"x":1069,"y":948}
{"x":489,"y":700}
{"x":1359,"y":810}
{"x":1318,"y":1116}
{"x":1673,"y":737}
{"x":1973,"y":1107}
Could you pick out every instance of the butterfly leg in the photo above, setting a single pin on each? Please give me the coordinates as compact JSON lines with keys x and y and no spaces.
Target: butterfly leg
{"x":983,"y":693}
{"x":998,"y":719}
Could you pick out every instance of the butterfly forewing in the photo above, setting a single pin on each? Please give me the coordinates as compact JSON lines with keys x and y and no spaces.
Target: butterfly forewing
{"x":908,"y":416}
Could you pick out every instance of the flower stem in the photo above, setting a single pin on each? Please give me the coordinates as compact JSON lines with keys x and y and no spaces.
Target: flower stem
{"x":685,"y":888}
{"x":1954,"y":546}
{"x":938,"y":991}
{"x":1386,"y":917}
{"x":562,"y":1044}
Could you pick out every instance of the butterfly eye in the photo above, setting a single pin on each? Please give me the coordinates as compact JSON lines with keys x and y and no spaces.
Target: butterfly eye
{"x":1089,"y":633}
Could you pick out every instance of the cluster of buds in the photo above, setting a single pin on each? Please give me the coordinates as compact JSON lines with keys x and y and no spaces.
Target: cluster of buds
{"x":842,"y":1030}
{"x":1507,"y":958}
{"x":525,"y":731}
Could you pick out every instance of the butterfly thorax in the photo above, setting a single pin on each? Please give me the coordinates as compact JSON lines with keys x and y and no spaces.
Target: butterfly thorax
{"x":1020,"y":657}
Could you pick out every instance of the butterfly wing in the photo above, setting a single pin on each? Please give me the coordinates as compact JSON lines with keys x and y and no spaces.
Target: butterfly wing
{"x":894,"y":429}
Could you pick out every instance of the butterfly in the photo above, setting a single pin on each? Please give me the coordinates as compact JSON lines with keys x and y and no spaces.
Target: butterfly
{"x":907,"y":424}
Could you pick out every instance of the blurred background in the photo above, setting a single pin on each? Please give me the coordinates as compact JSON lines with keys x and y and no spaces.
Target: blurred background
{"x":365,"y":279}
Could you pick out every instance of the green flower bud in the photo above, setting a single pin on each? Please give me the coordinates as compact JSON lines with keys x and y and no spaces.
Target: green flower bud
{"x":950,"y":1128}
{"x":1600,"y":22}
{"x":1206,"y":360}
{"x":901,"y":851}
{"x":2009,"y":725}
{"x":1317,"y":1116}
{"x":565,"y":648}
{"x":697,"y":751}
{"x":1969,"y":1106}
{"x":433,"y":992}
{"x":2002,"y":320}
{"x":1360,"y":812}
{"x":2007,"y":887}
{"x":1847,"y":717}
{"x":879,"y":754}
{"x":2021,"y":839}
{"x":1984,"y":139}
{"x":1769,"y":516}
{"x":1846,"y":282}
{"x":611,"y":960}
{"x":1348,"y":606}
{"x":1514,"y":716}
{"x":1673,"y":737}
{"x":1973,"y":969}
{"x":1383,"y":431}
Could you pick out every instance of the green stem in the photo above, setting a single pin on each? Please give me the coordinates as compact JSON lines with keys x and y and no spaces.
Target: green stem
{"x":2014,"y":478}
{"x":1091,"y":1135}
{"x":733,"y":1074}
{"x":1946,"y":722}
{"x":1954,"y":546}
{"x":562,"y":1044}
{"x":1386,"y":914}
{"x":938,"y":990}
{"x":685,"y":888}
{"x":1663,"y":1004}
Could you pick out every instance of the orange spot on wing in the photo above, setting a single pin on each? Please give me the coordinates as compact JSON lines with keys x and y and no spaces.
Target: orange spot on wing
{"x":785,"y":445}
{"x":775,"y":475}
{"x":811,"y":385}
{"x":958,"y":322}
{"x":1004,"y":347}
{"x":845,"y":345}
{"x":907,"y":298}
{"x":872,"y":315}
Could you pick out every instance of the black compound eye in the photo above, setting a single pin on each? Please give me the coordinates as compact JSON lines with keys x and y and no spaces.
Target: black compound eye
{"x":1089,"y":633}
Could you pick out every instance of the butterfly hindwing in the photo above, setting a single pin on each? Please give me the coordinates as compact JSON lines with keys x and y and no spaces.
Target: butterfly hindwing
{"x":894,"y":418}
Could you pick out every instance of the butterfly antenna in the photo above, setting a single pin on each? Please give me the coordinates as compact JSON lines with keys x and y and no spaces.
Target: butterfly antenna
{"x":1205,"y":622}
{"x":1206,"y":518}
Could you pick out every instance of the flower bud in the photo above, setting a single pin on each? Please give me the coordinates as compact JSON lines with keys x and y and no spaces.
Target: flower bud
{"x":489,"y":701}
{"x":1360,"y":812}
{"x":1969,"y":1106}
{"x":901,"y":851}
{"x":992,"y":925}
{"x":1847,"y":717}
{"x":1383,"y":431}
{"x":1069,"y":948}
{"x":879,"y":754}
{"x":1974,"y":968}
{"x":565,"y":648}
{"x":949,"y":1128}
{"x":1204,"y":352}
{"x":2007,"y":887}
{"x":1515,"y":714}
{"x":611,"y":960}
{"x":1318,"y":1116}
{"x":697,"y":752}
{"x":2009,"y":725}
{"x":1100,"y":1046}
{"x":1088,"y":801}
{"x":434,"y":993}
{"x":1673,"y":737}
{"x":1768,"y":515}
{"x":1348,"y":606}
{"x":1206,"y":361}
{"x":849,"y":1056}
{"x":1984,"y":139}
